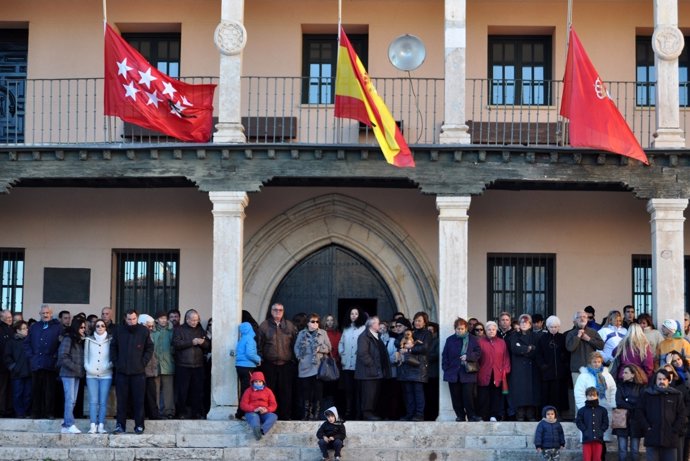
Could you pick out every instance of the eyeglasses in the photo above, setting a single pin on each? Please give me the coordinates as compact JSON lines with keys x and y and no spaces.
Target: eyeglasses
{"x":277,"y":310}
{"x":313,"y":321}
{"x":479,"y":329}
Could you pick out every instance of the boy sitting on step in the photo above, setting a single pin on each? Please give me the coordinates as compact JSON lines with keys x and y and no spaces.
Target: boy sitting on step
{"x":331,"y":434}
{"x":259,"y":405}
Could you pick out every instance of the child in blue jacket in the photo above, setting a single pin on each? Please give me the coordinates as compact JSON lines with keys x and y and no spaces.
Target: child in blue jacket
{"x":549,"y":437}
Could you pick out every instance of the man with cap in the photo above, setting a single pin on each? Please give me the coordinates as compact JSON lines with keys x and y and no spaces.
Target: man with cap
{"x":673,"y":341}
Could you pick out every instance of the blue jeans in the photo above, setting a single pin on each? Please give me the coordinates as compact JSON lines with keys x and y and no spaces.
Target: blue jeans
{"x":21,"y":396}
{"x":71,"y":387}
{"x":623,"y":447}
{"x":98,"y":398}
{"x":414,"y":398}
{"x":267,"y":420}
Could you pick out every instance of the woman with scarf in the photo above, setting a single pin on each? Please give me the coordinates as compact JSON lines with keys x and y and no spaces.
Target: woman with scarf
{"x":99,"y":375}
{"x":631,"y":384}
{"x":461,"y":348}
{"x":681,"y":382}
{"x":311,"y":346}
{"x":596,"y":375}
{"x":634,"y":349}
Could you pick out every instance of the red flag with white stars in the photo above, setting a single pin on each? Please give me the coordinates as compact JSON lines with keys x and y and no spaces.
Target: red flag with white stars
{"x":139,"y":93}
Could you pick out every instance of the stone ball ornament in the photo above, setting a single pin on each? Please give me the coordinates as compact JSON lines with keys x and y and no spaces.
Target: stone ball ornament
{"x":230,"y":37}
{"x":668,"y":42}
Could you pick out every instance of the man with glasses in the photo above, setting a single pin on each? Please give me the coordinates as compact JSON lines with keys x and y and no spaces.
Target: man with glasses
{"x":276,"y":342}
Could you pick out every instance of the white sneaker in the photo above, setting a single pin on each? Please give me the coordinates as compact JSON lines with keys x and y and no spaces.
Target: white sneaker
{"x":101,"y":429}
{"x":92,"y":429}
{"x":71,"y":430}
{"x":492,"y":419}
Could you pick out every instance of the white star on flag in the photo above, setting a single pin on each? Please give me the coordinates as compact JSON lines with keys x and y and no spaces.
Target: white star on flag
{"x":153,"y":98}
{"x":185,"y":101}
{"x":130,"y":91}
{"x":147,"y":78}
{"x":123,"y":68}
{"x":177,"y":109}
{"x":169,"y":89}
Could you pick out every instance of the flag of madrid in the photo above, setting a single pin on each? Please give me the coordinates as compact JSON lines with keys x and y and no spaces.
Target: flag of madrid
{"x":139,"y":93}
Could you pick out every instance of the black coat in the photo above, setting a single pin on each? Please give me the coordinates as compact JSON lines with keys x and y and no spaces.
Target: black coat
{"x":661,"y":414}
{"x":131,"y":349}
{"x":524,"y":379}
{"x":15,"y":358}
{"x":186,"y":353}
{"x":335,"y":430}
{"x":420,"y":352}
{"x":6,"y":336}
{"x":372,"y":358}
{"x":592,"y":420}
{"x":553,"y":359}
{"x":627,"y":396}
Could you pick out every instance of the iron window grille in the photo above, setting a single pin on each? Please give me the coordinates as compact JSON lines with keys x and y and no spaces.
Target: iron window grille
{"x":12,"y":261}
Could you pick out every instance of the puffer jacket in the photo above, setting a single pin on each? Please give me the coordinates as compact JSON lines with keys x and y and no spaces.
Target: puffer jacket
{"x":592,"y":420}
{"x":187,"y":354}
{"x":162,"y":345}
{"x":420,"y":352}
{"x":247,"y":354}
{"x":97,"y":358}
{"x":347,"y":347}
{"x":310,"y":348}
{"x":71,"y":358}
{"x":549,"y":435}
{"x":253,"y":398}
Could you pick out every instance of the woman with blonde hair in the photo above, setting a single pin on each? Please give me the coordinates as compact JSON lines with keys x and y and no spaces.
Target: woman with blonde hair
{"x":634,"y":349}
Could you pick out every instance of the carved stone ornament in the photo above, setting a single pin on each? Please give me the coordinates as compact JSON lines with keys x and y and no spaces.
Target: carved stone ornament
{"x":230,"y":37}
{"x":668,"y":42}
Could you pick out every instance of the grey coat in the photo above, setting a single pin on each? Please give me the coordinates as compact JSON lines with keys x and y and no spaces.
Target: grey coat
{"x":310,"y":348}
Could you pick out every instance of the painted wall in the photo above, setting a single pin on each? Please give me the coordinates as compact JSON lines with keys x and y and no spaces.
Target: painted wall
{"x":593,"y":235}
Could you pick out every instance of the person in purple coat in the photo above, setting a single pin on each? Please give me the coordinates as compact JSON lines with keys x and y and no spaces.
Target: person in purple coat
{"x":461,"y":348}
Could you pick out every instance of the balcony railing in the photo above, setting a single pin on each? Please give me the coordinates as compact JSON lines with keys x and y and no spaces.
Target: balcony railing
{"x":279,"y":110}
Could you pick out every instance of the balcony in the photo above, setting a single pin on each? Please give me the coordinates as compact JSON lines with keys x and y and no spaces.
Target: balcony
{"x":37,"y":112}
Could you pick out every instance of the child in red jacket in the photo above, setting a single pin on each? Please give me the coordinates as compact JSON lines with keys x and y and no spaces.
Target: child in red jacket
{"x":259,"y":405}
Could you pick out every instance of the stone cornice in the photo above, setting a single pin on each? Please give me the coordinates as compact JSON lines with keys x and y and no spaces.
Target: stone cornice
{"x":442,"y":170}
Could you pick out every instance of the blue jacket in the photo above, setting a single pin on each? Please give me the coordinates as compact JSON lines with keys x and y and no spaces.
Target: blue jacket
{"x":453,"y":369}
{"x":592,"y":420}
{"x":247,"y":354}
{"x":41,"y":345}
{"x":549,"y":435}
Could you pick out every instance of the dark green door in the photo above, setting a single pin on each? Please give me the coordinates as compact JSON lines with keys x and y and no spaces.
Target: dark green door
{"x":14,"y":45}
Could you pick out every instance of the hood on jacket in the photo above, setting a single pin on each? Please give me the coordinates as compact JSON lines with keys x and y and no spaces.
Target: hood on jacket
{"x":257,"y":375}
{"x":246,"y":329}
{"x":547,"y":408}
{"x":333,"y":410}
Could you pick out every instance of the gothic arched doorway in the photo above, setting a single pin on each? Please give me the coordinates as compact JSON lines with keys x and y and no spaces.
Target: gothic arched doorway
{"x":330,"y":281}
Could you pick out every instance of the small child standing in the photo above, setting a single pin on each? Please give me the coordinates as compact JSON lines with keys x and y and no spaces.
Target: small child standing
{"x":592,"y":420}
{"x":331,"y":434}
{"x":549,"y":437}
{"x":259,"y":405}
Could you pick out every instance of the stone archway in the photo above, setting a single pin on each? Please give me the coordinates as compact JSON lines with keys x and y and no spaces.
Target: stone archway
{"x":351,"y":223}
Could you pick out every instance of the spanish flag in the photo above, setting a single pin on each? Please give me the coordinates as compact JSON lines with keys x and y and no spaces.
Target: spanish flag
{"x":356,"y":98}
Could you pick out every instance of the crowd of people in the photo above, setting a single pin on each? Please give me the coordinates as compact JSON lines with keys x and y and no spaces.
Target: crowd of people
{"x":145,"y":367}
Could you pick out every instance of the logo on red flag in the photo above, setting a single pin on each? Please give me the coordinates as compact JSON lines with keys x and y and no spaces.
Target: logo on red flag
{"x":594,"y":118}
{"x":139,"y":93}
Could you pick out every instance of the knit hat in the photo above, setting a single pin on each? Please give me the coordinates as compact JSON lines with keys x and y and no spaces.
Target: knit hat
{"x":670,"y":325}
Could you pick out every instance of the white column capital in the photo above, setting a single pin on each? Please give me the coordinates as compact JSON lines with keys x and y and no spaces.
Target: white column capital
{"x":665,"y":208}
{"x":453,"y":208}
{"x":228,"y":203}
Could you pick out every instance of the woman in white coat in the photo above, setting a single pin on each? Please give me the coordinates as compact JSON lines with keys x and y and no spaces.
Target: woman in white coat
{"x":596,"y":375}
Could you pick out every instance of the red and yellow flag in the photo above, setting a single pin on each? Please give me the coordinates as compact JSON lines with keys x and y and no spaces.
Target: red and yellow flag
{"x":356,"y":98}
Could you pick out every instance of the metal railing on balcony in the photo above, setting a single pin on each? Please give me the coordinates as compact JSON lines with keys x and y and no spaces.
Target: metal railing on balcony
{"x":290,"y":110}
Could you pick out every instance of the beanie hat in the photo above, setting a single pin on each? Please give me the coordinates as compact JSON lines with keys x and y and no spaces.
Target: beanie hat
{"x":670,"y":325}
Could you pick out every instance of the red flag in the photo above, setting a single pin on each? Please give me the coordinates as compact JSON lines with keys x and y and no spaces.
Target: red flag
{"x":139,"y":93}
{"x":356,"y":98}
{"x":594,"y":119}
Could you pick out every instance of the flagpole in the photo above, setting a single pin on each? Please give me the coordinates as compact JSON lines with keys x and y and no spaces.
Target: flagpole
{"x":105,"y":14}
{"x":569,"y":24}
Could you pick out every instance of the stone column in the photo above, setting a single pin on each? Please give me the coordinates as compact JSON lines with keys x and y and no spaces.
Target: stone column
{"x":230,"y":38}
{"x":228,"y":246}
{"x":667,"y":43}
{"x":454,"y":129}
{"x":668,"y":274}
{"x":452,"y":276}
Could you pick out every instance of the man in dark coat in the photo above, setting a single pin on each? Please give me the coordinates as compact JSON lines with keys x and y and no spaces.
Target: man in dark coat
{"x":41,"y":346}
{"x":661,"y":415}
{"x":130,"y":351}
{"x":372,"y":367}
{"x":6,"y":335}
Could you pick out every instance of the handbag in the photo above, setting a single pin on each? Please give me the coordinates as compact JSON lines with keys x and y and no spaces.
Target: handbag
{"x":328,"y":369}
{"x":619,"y":418}
{"x":471,"y":367}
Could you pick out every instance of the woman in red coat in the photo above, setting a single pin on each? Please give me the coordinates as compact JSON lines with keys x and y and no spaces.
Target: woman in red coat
{"x":494,"y":366}
{"x":259,"y":405}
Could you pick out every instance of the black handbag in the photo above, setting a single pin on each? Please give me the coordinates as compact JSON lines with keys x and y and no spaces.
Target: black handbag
{"x":328,"y":369}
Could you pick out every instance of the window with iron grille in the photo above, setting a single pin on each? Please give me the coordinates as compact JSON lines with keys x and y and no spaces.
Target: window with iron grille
{"x":642,"y":284}
{"x":12,"y":260}
{"x":520,"y":70}
{"x":161,"y":50}
{"x":645,"y":73}
{"x":319,"y":60}
{"x":147,"y":280}
{"x":521,"y":283}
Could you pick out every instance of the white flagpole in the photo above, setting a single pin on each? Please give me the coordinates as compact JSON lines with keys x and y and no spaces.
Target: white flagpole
{"x":569,"y":21}
{"x":105,"y":14}
{"x":340,"y":19}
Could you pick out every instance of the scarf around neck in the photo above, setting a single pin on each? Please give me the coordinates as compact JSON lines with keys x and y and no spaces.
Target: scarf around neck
{"x":599,"y":380}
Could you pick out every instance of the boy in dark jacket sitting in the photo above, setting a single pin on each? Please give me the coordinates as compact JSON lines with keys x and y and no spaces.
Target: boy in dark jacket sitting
{"x":592,"y":420}
{"x":549,"y":437}
{"x":331,"y":434}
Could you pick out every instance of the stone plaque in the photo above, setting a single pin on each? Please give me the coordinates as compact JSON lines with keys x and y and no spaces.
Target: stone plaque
{"x":230,"y":37}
